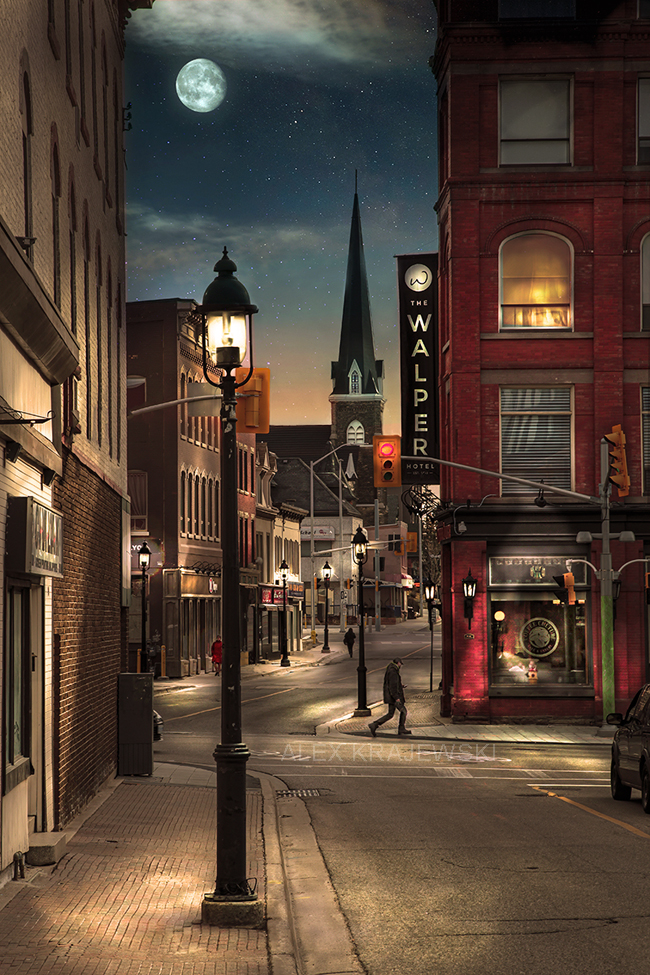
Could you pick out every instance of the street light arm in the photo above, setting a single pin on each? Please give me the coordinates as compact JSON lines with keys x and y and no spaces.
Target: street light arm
{"x":539,"y":485}
{"x":585,"y":562}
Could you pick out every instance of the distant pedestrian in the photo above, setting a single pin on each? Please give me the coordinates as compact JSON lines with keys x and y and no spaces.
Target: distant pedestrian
{"x":217,"y":654}
{"x":394,"y":698}
{"x":349,"y":639}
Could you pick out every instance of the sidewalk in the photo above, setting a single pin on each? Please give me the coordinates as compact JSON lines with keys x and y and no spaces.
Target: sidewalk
{"x":126,"y":897}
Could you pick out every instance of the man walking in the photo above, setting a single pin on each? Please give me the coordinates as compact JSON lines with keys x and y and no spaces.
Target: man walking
{"x":394,"y":698}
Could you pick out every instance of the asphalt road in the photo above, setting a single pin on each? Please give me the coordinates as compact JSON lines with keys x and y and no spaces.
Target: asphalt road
{"x":446,"y":858}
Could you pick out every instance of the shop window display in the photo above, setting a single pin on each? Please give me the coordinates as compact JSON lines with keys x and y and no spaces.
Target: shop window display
{"x":536,"y":640}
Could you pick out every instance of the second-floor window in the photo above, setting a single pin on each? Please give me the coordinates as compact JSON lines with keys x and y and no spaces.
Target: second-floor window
{"x":536,"y":282}
{"x":643,"y":149}
{"x":535,"y":120}
{"x":645,"y":433}
{"x":536,"y":436}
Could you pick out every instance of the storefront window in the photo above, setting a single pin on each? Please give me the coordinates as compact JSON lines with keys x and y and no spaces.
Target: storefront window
{"x":536,"y":641}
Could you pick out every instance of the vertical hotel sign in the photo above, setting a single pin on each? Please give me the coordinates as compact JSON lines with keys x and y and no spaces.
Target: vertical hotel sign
{"x":417,"y":291}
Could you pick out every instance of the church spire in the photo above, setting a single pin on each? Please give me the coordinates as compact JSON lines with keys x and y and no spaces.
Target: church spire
{"x":357,"y":397}
{"x":356,"y":371}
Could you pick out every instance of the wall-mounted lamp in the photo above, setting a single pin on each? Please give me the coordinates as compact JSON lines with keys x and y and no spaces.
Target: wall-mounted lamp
{"x":469,"y":592}
{"x":12,"y":450}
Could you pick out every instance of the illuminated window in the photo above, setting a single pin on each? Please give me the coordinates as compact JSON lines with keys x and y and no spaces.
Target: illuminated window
{"x":535,"y":122}
{"x":535,"y":282}
{"x":355,"y":432}
{"x":355,"y":382}
{"x":536,"y":436}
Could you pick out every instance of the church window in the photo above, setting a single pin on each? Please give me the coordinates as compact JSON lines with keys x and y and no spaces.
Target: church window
{"x":355,"y":383}
{"x":355,"y":432}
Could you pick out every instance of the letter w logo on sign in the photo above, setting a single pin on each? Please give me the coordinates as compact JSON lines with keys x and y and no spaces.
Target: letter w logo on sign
{"x":419,"y":323}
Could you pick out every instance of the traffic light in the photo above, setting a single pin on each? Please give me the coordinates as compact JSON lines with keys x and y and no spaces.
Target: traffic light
{"x":565,"y":591}
{"x":618,"y":474}
{"x":253,"y":401}
{"x":387,"y":461}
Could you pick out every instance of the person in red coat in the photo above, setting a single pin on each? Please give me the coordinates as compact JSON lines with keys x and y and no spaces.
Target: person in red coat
{"x":217,"y":653}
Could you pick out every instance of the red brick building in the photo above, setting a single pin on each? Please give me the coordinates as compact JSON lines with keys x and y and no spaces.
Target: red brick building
{"x":544,"y":212}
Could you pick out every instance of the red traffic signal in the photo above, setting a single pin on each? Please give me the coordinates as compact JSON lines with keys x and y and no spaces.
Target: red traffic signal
{"x":387,"y":460}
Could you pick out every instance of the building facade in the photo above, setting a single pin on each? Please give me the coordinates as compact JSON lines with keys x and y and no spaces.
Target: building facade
{"x":63,"y":489}
{"x":544,"y":274}
{"x":175,"y":487}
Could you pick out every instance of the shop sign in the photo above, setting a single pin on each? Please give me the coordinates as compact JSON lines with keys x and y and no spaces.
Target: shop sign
{"x":321,"y":532}
{"x":532,"y":570}
{"x":417,"y":279}
{"x":34,"y":538}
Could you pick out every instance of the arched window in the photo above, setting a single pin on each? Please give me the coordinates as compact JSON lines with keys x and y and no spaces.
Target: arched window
{"x":28,"y":131}
{"x":536,"y":282}
{"x":645,"y":284}
{"x":355,"y":382}
{"x":55,"y":175}
{"x":355,"y":432}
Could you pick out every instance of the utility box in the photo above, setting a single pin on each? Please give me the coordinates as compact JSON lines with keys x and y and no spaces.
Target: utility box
{"x":135,"y":724}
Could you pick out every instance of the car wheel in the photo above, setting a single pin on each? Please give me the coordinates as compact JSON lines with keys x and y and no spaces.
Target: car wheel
{"x":619,"y":791}
{"x":645,"y":789}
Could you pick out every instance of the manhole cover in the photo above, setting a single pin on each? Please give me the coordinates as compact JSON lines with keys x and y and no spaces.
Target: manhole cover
{"x":300,"y":793}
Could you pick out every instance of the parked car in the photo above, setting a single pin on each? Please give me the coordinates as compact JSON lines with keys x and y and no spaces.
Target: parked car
{"x":631,"y":749}
{"x":157,"y":727}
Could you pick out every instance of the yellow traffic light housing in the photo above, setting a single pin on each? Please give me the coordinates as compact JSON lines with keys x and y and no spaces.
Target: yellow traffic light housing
{"x":387,"y":460}
{"x":253,"y":401}
{"x":618,"y":474}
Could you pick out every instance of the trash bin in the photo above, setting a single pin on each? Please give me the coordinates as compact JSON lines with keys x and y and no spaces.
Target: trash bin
{"x":135,"y":724}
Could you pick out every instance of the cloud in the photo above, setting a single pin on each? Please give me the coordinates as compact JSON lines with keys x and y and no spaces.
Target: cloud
{"x":292,"y":36}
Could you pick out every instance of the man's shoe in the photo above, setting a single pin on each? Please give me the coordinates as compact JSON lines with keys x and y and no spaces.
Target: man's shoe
{"x":404,"y":731}
{"x":373,"y":729}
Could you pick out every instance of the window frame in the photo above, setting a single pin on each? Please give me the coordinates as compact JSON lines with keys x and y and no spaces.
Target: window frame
{"x":511,"y":488}
{"x":645,"y":437}
{"x":539,"y":80}
{"x":530,"y":329}
{"x":355,"y":427}
{"x":643,"y":103}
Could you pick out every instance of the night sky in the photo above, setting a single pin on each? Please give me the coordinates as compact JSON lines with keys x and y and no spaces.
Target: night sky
{"x":316,"y":89}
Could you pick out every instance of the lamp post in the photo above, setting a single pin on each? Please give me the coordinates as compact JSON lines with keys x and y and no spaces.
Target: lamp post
{"x":430,"y":596}
{"x":360,"y":555}
{"x":144,"y":556}
{"x":327,"y":575}
{"x":226,"y":327}
{"x":284,"y":571}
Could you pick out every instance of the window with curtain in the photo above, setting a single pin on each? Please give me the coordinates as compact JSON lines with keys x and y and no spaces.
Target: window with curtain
{"x":535,"y":119}
{"x":536,"y":282}
{"x":645,"y":432}
{"x":139,"y":492}
{"x":536,"y":431}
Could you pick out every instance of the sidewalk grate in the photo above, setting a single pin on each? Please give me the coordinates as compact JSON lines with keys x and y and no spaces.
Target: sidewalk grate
{"x":300,"y":793}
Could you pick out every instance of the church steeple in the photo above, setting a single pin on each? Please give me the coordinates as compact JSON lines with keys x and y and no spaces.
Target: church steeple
{"x":357,"y":395}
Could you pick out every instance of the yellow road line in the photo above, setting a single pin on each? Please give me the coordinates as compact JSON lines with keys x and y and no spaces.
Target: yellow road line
{"x":610,"y":819}
{"x":250,"y":700}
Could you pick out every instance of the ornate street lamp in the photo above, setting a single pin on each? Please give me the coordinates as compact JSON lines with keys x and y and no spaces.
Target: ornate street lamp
{"x":430,"y":596}
{"x":360,"y":555}
{"x":469,"y":592}
{"x":226,"y":316}
{"x":327,"y":575}
{"x":284,"y":572}
{"x":144,"y":556}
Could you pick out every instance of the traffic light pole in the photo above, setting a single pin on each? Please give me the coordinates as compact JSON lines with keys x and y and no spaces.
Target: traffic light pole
{"x":606,"y":589}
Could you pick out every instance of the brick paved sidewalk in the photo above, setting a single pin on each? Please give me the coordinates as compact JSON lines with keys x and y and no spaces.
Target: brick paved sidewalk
{"x":126,"y":898}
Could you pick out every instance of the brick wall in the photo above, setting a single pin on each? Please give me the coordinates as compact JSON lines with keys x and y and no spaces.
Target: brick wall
{"x":89,"y":638}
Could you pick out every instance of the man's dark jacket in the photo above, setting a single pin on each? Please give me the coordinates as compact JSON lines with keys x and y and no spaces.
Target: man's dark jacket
{"x":393,"y":687}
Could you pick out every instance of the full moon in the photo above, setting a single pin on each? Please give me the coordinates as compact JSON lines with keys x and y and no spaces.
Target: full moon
{"x":201,"y":85}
